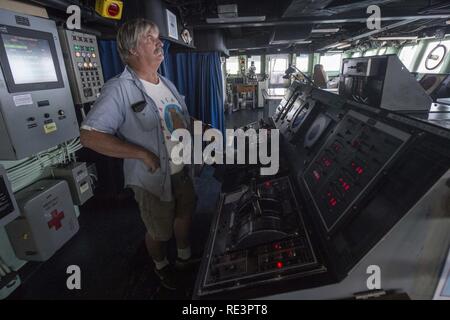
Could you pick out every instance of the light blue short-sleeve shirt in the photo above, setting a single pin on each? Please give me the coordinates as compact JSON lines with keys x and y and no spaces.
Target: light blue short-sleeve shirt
{"x":112,"y":113}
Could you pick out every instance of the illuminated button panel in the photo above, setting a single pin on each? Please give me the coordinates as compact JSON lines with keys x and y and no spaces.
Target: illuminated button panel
{"x":86,"y":57}
{"x":265,"y":259}
{"x":350,"y":161}
{"x":284,"y":254}
{"x":86,"y":77}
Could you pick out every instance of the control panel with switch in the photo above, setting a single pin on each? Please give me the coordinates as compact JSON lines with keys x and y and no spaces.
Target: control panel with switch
{"x":349,"y":163}
{"x":83,"y":65}
{"x":36,"y":107}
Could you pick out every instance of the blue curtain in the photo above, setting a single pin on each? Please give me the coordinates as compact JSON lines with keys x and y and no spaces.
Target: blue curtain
{"x":198,"y":77}
{"x":109,"y":56}
{"x":211,"y":89}
{"x":185,"y":78}
{"x":166,"y":68}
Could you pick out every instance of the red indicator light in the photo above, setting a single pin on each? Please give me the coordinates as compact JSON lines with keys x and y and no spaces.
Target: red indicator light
{"x":113,"y":9}
{"x":359,"y":170}
{"x":279,"y":264}
{"x":326,"y":162}
{"x":267,"y":184}
{"x":344,"y":184}
{"x":333,"y":202}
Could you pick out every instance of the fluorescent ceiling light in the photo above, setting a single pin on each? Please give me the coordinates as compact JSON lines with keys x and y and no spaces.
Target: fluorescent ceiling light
{"x":340,"y":44}
{"x":331,"y":30}
{"x":395,"y":38}
{"x":344,"y":46}
{"x":236,"y":19}
{"x":290,"y":41}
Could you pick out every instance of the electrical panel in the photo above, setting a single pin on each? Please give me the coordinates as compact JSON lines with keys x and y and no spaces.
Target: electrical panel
{"x":83,"y":65}
{"x":349,"y":163}
{"x":8,"y":206}
{"x":47,"y":220}
{"x":77,"y":176}
{"x":36,"y":107}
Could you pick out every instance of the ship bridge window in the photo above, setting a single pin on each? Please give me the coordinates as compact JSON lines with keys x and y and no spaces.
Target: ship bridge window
{"x":372,"y":52}
{"x":232,"y":65}
{"x":437,"y":58}
{"x":407,"y":54}
{"x":382,"y":51}
{"x":331,"y":62}
{"x":302,"y":62}
{"x":257,"y":61}
{"x":277,"y":67}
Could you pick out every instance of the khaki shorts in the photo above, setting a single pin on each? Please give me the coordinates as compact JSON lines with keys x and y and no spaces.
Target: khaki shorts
{"x":158,"y":216}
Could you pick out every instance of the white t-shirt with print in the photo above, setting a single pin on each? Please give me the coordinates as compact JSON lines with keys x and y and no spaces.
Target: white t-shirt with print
{"x":170,"y":114}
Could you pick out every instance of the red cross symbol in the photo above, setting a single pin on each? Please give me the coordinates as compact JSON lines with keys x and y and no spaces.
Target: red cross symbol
{"x":56,"y":219}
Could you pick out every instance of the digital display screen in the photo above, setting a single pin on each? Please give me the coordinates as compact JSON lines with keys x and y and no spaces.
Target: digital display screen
{"x":30,"y":59}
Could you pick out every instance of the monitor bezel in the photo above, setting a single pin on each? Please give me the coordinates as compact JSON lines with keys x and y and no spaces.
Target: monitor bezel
{"x":4,"y":61}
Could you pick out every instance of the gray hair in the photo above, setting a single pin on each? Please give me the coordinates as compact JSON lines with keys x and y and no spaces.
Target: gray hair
{"x":129,"y":34}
